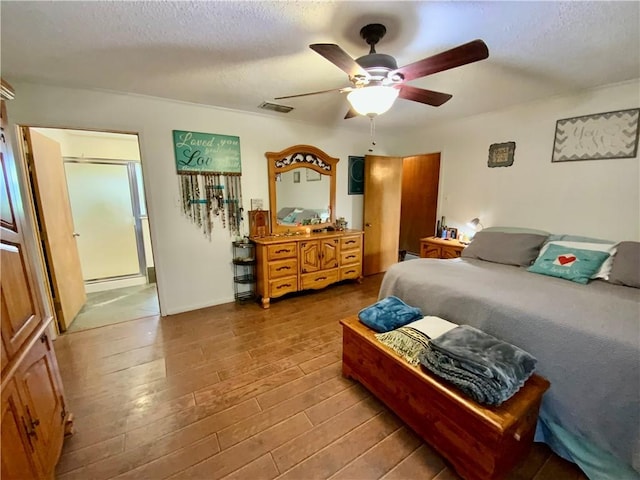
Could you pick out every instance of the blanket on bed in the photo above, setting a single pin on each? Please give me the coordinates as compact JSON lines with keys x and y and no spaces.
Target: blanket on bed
{"x":585,"y":337}
{"x":487,"y":369}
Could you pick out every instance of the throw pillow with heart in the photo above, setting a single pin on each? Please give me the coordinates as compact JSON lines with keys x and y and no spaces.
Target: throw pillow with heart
{"x":565,"y":260}
{"x":573,"y":264}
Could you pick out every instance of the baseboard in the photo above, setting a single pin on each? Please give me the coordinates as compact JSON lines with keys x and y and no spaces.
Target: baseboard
{"x":112,"y":284}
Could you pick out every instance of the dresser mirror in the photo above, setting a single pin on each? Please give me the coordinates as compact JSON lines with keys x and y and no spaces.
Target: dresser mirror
{"x":302,"y":189}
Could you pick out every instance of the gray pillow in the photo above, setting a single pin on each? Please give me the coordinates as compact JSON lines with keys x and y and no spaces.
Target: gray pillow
{"x":509,"y":248}
{"x":626,"y":265}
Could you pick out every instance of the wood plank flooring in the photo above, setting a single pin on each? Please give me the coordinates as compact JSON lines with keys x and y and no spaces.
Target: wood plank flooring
{"x":238,"y":392}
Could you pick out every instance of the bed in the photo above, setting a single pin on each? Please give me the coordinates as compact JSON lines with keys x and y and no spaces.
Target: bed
{"x":296,"y":216}
{"x":586,"y":339}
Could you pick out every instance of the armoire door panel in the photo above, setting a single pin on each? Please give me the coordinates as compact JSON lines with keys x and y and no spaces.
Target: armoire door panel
{"x":7,"y":216}
{"x":18,"y":462}
{"x":41,"y":393}
{"x":19,"y":302}
{"x":20,"y":312}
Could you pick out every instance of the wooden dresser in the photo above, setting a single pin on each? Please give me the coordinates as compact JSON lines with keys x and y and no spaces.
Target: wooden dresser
{"x":289,"y":263}
{"x":34,"y":415}
{"x":434,"y":247}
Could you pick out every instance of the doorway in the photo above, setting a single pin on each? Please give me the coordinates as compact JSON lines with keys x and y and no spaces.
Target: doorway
{"x":400,"y":205}
{"x":101,"y":186}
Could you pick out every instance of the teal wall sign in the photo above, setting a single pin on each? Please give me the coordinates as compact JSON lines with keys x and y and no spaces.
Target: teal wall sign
{"x":206,"y":152}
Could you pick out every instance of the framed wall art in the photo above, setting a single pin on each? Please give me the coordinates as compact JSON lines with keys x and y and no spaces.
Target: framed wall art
{"x":501,"y":154}
{"x":313,"y":176}
{"x":356,"y":175}
{"x":206,"y":152}
{"x":595,"y":137}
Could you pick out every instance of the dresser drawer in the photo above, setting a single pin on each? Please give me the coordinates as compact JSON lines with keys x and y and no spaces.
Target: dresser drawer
{"x":350,"y":272}
{"x":281,"y":250}
{"x":319,"y":279}
{"x":283,"y":268}
{"x":350,"y":243}
{"x":283,"y":285}
{"x":429,"y":251}
{"x":450,"y":252}
{"x":349,"y":257}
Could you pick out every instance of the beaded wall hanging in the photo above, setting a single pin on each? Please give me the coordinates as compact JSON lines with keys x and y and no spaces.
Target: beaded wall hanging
{"x":210,"y":188}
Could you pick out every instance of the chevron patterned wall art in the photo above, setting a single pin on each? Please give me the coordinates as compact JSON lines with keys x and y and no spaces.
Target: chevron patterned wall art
{"x":597,"y":136}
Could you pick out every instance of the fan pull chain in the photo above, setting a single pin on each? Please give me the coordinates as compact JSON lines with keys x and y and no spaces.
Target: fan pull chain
{"x":373,"y":134}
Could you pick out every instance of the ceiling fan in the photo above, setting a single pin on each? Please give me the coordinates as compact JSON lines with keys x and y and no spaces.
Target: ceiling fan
{"x":377,"y":81}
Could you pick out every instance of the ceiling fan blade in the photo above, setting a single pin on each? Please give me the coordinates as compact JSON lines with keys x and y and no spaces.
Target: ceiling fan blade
{"x":339,"y":58}
{"x":462,"y":55}
{"x":351,"y":113}
{"x":423,"y":96}
{"x":311,"y":93}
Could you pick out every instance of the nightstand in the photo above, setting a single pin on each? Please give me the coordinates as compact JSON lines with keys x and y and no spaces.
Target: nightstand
{"x":433,"y":247}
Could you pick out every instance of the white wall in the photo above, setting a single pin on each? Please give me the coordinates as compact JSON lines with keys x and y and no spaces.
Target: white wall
{"x":192,"y":271}
{"x":90,"y":144}
{"x":598,"y":198}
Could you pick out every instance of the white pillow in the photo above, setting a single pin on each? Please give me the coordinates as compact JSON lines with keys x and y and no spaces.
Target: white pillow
{"x":609,"y":248}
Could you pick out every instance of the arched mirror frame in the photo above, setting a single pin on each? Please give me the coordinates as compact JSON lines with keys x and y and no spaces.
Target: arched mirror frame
{"x":299,"y":156}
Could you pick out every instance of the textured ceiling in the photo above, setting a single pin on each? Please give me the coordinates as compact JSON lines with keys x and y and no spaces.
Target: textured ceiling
{"x":238,"y":54}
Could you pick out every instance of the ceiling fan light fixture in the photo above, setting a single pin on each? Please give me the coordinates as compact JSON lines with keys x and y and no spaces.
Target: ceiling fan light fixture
{"x":373,"y":100}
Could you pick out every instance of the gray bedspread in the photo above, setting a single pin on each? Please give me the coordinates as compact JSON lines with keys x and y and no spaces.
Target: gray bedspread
{"x":586,"y":337}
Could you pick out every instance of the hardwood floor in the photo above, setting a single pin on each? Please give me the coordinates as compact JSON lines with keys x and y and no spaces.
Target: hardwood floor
{"x":238,"y":392}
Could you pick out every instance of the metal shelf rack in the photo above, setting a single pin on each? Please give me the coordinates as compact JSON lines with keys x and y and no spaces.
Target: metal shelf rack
{"x":244,"y":278}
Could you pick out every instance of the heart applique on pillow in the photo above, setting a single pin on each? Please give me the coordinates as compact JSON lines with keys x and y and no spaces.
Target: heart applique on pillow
{"x":565,"y":260}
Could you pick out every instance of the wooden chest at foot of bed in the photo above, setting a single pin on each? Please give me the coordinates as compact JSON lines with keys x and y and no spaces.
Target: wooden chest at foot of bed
{"x":480,"y":442}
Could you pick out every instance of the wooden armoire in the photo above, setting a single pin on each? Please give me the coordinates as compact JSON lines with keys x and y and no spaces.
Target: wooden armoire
{"x":34,"y":414}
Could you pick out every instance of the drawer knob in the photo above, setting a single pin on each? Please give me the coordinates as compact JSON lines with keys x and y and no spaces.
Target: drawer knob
{"x":285,"y":267}
{"x":320,"y":278}
{"x":283,"y":285}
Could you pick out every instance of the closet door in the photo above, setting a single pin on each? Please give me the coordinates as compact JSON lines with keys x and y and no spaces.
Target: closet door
{"x":382,"y":196}
{"x":420,"y":177}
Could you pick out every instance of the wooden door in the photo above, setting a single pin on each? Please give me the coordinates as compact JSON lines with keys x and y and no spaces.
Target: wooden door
{"x":420,"y":177}
{"x":383,"y":191}
{"x":20,"y":308}
{"x":56,"y":224}
{"x":18,"y":461}
{"x":40,"y":389}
